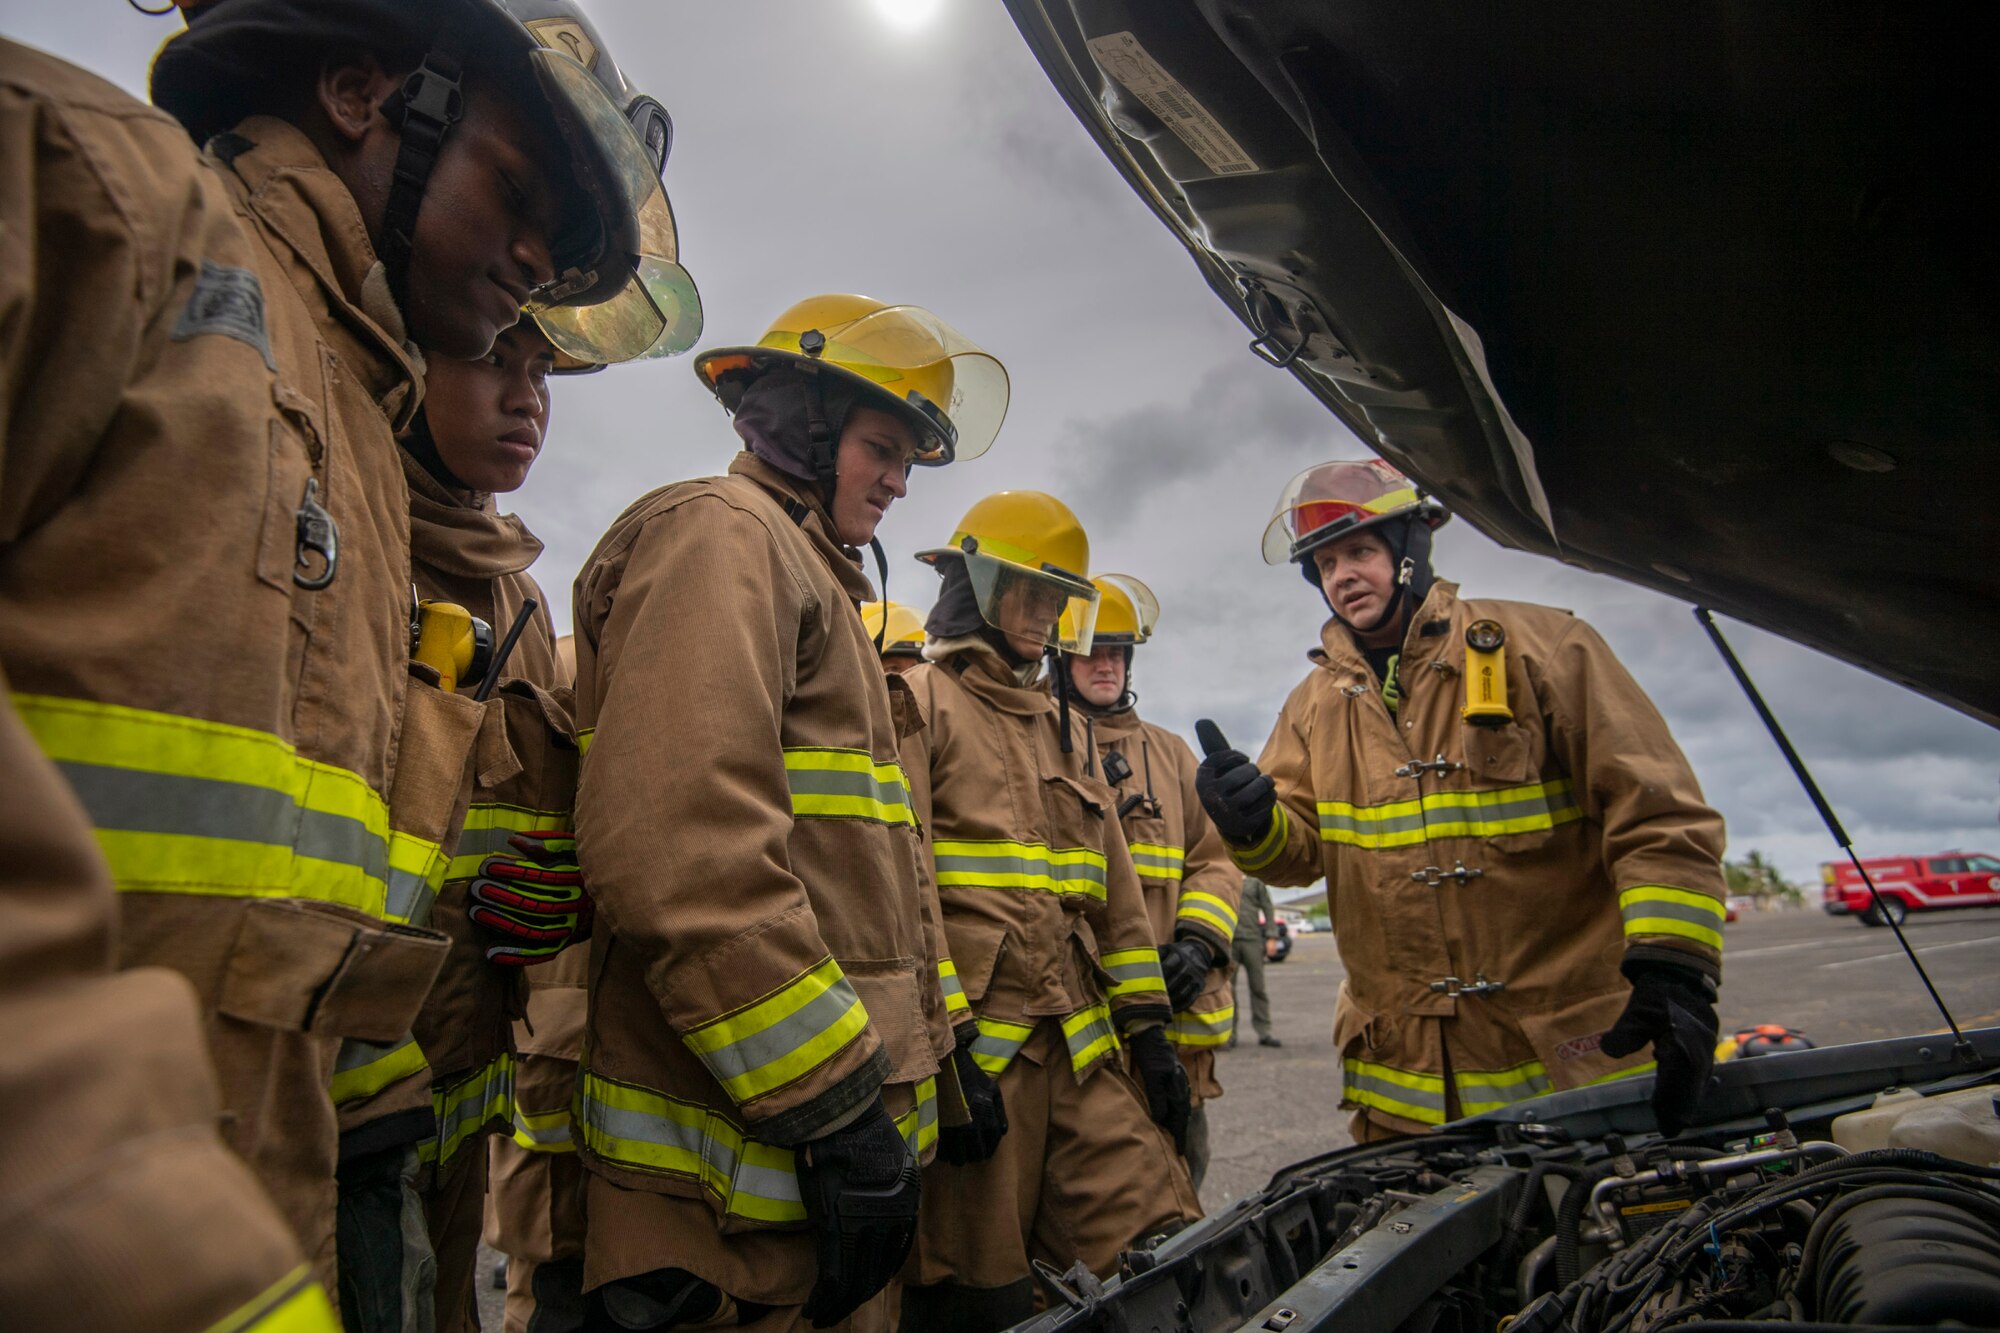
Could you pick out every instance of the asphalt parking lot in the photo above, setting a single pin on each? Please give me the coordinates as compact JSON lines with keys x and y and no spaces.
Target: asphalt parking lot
{"x":1829,"y":977}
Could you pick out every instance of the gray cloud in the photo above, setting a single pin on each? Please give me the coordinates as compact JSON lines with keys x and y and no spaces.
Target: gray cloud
{"x":819,"y":150}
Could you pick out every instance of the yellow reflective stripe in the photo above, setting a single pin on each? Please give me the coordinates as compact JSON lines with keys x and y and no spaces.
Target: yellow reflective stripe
{"x":919,"y":1124}
{"x":542,"y":1131}
{"x":646,"y":1131}
{"x":1266,"y":849}
{"x":1402,"y":1092}
{"x":1090,"y":1036}
{"x":467,"y":1106}
{"x":1481,"y":1090}
{"x":832,"y":783}
{"x":954,"y":993}
{"x":183,"y":805}
{"x":1157,"y":861}
{"x":293,"y":1304}
{"x":1207,"y":1028}
{"x":1000,"y":864}
{"x":1133,"y":970}
{"x":583,"y":739}
{"x":1658,"y":909}
{"x":1205,"y":909}
{"x":488,"y":826}
{"x":1647,"y":1068}
{"x":783,"y":1037}
{"x":363,"y":1068}
{"x":998,"y":1043}
{"x":1450,"y":814}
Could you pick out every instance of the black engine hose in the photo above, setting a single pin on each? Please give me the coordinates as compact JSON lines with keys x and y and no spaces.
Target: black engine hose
{"x":1531,"y":1197}
{"x":1970,"y":1200}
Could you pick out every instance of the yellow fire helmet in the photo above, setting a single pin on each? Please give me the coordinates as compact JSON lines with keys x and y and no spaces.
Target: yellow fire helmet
{"x":1126,"y":611}
{"x":1026,"y":554}
{"x":946,"y":386}
{"x":904,"y":636}
{"x":1333,"y":500}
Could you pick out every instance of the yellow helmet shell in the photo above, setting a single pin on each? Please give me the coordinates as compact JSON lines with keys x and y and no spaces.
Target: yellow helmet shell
{"x":947,"y":387}
{"x":905,"y":634}
{"x":1027,"y":536}
{"x":1127,"y":611}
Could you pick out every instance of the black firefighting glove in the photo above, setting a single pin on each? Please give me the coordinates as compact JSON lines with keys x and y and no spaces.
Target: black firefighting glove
{"x":1236,"y":795}
{"x":1164,"y":1081}
{"x":975,"y":1141}
{"x":860,"y":1187}
{"x":1185,"y":964}
{"x":1672,"y":1007}
{"x":531,"y":901}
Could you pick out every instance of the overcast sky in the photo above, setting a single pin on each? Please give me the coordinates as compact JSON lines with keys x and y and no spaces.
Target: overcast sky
{"x":839,"y":146}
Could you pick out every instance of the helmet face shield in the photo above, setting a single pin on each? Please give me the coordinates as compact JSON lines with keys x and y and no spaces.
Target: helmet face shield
{"x":633,"y":300}
{"x":1055,"y":609}
{"x":1126,"y":610}
{"x":956,"y":392}
{"x":1331,"y":500}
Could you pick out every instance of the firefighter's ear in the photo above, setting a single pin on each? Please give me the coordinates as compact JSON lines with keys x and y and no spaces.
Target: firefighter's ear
{"x":350,"y":92}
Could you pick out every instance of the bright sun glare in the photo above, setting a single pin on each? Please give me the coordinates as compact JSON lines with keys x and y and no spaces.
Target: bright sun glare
{"x":908,"y":13}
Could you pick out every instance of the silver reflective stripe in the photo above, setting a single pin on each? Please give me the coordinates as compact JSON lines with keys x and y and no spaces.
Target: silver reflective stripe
{"x":1090,"y":1035}
{"x":646,"y":1131}
{"x":136,"y":801}
{"x":464,"y":1108}
{"x":998,"y":1043}
{"x":1334,"y":821}
{"x":143,"y":802}
{"x":1418,"y":1097}
{"x":1016,"y":865}
{"x":1642,"y":909}
{"x":410,"y":897}
{"x":764,"y":1056}
{"x":1482,"y":1091}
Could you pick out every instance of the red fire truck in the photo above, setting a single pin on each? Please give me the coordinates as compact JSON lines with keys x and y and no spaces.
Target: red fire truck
{"x":1911,"y":884}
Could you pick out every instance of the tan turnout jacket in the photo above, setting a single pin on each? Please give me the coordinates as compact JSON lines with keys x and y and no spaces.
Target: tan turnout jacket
{"x":1535,"y":855}
{"x":760,"y":968}
{"x":460,"y":1057}
{"x":1192,"y":887}
{"x":269,"y":787}
{"x":1043,"y":914}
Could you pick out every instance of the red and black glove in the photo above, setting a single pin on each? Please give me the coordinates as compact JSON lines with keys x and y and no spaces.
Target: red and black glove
{"x":534,"y":901}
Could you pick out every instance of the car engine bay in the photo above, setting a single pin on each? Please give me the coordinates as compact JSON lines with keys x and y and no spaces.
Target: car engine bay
{"x":1581,"y":1219}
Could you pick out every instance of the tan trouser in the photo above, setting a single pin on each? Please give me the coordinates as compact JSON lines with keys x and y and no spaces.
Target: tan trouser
{"x":1081,"y":1173}
{"x":278,"y":1116}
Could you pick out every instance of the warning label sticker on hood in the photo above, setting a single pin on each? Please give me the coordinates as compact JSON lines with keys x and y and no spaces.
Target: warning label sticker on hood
{"x":1121,"y":58}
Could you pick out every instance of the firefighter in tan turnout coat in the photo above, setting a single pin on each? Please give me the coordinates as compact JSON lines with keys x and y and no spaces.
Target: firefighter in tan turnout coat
{"x":415,"y":1112}
{"x":760,"y":1072}
{"x":1525,"y":884}
{"x":218,"y":375}
{"x":1051,"y":954}
{"x":1192,"y":887}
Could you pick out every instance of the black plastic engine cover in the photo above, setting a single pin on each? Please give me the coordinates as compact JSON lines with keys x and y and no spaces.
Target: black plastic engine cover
{"x":1909,"y":1261}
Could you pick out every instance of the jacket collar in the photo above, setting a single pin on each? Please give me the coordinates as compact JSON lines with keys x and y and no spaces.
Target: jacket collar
{"x":801,"y":502}
{"x":989,"y":676}
{"x":298,"y":198}
{"x":473,"y":540}
{"x":1340,"y":654}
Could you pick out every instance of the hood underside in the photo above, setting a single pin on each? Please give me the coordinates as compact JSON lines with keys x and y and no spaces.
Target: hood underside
{"x":1700,"y":296}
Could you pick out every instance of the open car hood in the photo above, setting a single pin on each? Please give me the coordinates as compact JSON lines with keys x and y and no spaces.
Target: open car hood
{"x":1700,"y":296}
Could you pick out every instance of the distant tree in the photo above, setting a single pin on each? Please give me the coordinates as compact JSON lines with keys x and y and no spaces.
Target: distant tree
{"x":1755,"y":877}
